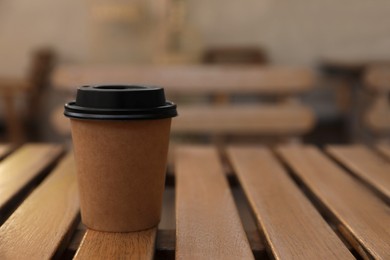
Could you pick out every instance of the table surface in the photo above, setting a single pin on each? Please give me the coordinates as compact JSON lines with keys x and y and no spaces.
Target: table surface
{"x":307,"y":203}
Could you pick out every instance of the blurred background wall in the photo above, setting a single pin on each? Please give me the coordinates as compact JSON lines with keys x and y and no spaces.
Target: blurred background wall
{"x":26,"y":25}
{"x":292,"y":32}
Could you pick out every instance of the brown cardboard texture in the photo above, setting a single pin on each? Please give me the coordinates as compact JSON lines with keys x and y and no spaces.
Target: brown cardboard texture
{"x":121,"y":172}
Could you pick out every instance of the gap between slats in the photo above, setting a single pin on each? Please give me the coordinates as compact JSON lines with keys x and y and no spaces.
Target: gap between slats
{"x":42,"y":225}
{"x":22,"y":171}
{"x":5,"y":150}
{"x":282,"y":210}
{"x":384,"y":149}
{"x":367,"y":166}
{"x":360,"y":216}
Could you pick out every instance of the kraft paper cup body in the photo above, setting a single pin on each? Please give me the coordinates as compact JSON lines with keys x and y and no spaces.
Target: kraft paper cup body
{"x":121,"y":172}
{"x":120,"y":137}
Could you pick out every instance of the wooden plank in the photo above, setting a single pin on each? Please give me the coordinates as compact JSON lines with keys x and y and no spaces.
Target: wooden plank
{"x":384,"y":149}
{"x":244,"y":119}
{"x":291,"y":225}
{"x":105,"y":245}
{"x":363,"y":217}
{"x":191,"y":79}
{"x":207,"y":222}
{"x":45,"y":219}
{"x":5,"y":149}
{"x":253,"y":119}
{"x":366,"y":165}
{"x":24,"y":166}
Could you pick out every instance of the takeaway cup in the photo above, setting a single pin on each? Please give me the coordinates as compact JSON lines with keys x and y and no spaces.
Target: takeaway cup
{"x":120,"y":139}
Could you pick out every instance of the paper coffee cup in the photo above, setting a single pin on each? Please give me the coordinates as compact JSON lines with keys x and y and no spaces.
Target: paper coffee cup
{"x":120,"y":137}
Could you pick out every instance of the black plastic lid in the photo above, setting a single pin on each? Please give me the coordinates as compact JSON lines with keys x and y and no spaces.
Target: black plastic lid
{"x":120,"y":102}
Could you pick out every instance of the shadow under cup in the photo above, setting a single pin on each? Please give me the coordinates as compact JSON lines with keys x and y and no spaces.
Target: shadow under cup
{"x":120,"y":137}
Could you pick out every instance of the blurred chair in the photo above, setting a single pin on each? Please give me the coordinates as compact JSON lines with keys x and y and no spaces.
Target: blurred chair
{"x":377,"y":116}
{"x":22,"y":123}
{"x":42,"y":65}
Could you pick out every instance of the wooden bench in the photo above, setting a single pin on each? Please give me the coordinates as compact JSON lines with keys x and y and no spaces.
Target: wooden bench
{"x":219,"y":81}
{"x":304,"y":203}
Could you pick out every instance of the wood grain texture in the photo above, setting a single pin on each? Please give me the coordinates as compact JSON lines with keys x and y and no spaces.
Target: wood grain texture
{"x":37,"y":228}
{"x":292,"y":226}
{"x":23,"y":166}
{"x":265,"y":119}
{"x":384,"y":149}
{"x":105,"y":245}
{"x":191,"y":79}
{"x":207,"y":221}
{"x":363,"y":217}
{"x":5,"y":149}
{"x":366,"y":165}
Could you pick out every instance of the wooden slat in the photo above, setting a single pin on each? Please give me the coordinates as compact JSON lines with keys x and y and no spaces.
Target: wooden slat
{"x":104,"y":245}
{"x":5,"y":149}
{"x":191,"y":79}
{"x":23,"y":166}
{"x":207,"y":222}
{"x":384,"y":149}
{"x":254,"y":119}
{"x":364,"y":218}
{"x":45,"y":219}
{"x":266,"y":119}
{"x":365,"y":164}
{"x":291,"y":225}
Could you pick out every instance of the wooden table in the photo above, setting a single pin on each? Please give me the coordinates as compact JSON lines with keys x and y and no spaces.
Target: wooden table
{"x":308,"y":203}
